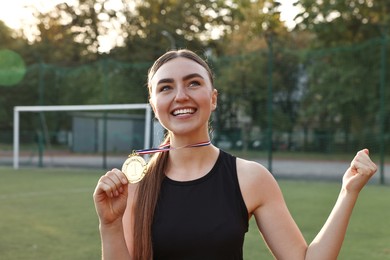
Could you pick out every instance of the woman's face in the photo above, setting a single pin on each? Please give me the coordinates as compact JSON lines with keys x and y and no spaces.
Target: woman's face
{"x":182,"y":96}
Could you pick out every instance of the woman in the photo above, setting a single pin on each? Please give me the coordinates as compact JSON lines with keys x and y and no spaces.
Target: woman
{"x":196,"y":200}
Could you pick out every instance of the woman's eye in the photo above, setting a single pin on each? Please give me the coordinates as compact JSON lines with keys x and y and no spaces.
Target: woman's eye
{"x":194,"y":83}
{"x":164,"y":88}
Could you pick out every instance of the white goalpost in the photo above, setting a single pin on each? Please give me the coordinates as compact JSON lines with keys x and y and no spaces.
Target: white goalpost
{"x":19,"y":109}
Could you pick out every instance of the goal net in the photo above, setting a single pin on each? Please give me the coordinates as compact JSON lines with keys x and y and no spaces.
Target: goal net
{"x":95,"y":136}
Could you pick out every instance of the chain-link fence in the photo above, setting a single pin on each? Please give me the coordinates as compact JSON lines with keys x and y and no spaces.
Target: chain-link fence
{"x":274,"y":101}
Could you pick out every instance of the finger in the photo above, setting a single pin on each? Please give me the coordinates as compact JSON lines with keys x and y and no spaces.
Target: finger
{"x":363,"y":153}
{"x":113,"y":176}
{"x":121,"y":176}
{"x":109,"y":186}
{"x":103,"y":188}
{"x":364,"y":168}
{"x":118,"y":178}
{"x":113,"y":180}
{"x":363,"y":157}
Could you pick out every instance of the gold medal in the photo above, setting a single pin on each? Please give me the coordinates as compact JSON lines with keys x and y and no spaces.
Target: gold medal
{"x":134,"y":168}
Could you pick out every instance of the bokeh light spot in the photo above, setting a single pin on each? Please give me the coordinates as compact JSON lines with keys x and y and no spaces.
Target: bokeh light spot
{"x":12,"y":68}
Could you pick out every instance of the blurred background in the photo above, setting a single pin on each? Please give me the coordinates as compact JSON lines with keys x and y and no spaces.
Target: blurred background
{"x":296,"y":80}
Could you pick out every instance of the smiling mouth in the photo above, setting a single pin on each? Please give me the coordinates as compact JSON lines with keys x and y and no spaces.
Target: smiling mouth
{"x":184,"y":111}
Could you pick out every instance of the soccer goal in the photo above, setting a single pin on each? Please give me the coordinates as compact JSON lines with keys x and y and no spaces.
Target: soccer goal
{"x":89,"y":120}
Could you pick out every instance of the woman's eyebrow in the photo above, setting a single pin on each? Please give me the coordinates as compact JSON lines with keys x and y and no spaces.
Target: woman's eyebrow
{"x":192,"y":75}
{"x":161,"y":81}
{"x":187,"y":77}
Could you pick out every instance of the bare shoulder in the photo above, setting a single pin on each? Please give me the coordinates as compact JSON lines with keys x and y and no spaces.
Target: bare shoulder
{"x":256,"y":183}
{"x":252,"y":172}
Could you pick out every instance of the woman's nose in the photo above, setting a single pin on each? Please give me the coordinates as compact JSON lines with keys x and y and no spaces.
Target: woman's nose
{"x":181,"y":94}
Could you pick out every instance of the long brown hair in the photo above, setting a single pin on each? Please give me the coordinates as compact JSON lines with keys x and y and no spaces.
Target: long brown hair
{"x":149,"y":188}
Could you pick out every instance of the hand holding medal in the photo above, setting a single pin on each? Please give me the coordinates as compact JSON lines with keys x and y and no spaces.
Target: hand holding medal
{"x":135,"y":166}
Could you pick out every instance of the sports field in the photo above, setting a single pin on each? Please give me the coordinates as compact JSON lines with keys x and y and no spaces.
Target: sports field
{"x":49,"y":214}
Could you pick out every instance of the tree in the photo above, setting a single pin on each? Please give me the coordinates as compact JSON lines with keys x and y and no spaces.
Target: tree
{"x":339,"y":81}
{"x":244,"y":74}
{"x":10,"y":40}
{"x":69,"y":34}
{"x":346,"y":74}
{"x":343,"y":21}
{"x":188,"y":23}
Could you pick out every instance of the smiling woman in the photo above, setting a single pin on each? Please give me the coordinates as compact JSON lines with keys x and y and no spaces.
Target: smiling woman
{"x":195,"y":200}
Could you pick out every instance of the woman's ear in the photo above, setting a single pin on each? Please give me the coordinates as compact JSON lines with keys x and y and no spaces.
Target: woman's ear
{"x":152,"y":106}
{"x":214,"y":99}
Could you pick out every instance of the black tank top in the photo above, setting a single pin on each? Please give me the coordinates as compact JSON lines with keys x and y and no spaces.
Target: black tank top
{"x":201,"y":219}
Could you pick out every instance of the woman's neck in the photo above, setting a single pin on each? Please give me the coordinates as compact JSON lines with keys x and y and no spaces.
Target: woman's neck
{"x":187,"y":140}
{"x":191,"y":163}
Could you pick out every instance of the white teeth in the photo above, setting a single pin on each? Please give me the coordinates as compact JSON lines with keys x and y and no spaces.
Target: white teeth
{"x":183,"y":111}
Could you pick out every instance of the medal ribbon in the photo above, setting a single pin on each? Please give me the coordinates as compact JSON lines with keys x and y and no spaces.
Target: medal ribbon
{"x":167,"y":147}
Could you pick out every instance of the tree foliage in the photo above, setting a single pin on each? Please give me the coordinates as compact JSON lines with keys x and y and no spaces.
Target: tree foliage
{"x":152,"y":27}
{"x":244,"y":82}
{"x":343,"y":21}
{"x":321,"y":72}
{"x":347,"y":74}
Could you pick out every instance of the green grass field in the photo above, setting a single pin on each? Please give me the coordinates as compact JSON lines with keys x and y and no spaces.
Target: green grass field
{"x":49,"y":214}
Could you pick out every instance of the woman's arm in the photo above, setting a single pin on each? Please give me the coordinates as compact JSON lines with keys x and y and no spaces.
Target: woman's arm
{"x":328,"y":242}
{"x":113,"y":242}
{"x":265,"y":201}
{"x":111,"y":199}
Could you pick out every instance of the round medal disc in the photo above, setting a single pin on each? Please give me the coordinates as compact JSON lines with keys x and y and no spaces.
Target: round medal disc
{"x":134,"y":168}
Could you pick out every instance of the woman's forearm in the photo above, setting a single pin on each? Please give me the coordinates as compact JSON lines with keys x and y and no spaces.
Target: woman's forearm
{"x":327,"y":244}
{"x":113,"y":242}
